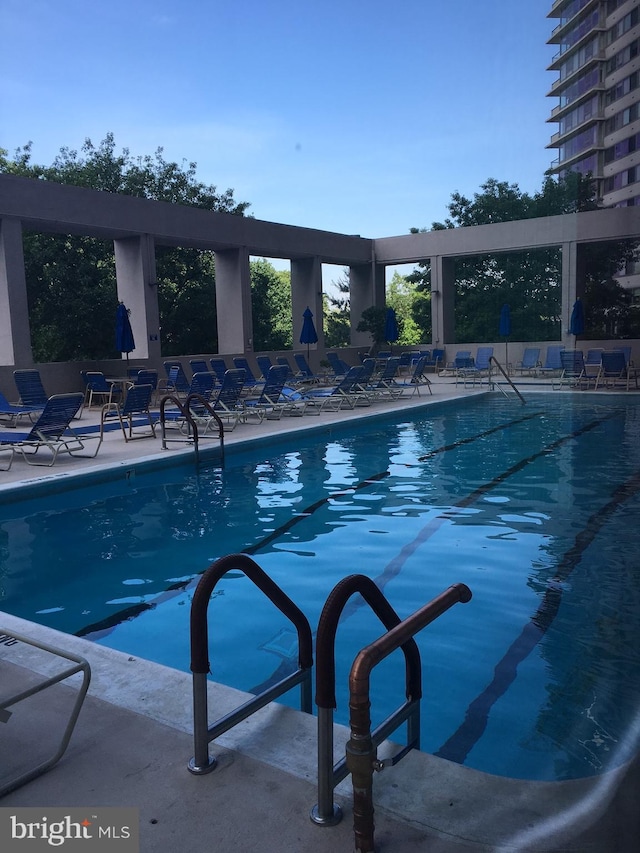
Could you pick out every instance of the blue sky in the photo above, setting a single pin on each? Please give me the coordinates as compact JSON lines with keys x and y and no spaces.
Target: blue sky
{"x":359,"y":116}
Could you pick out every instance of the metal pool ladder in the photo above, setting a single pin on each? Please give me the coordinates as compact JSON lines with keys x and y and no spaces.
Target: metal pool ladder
{"x":203,"y":733}
{"x":192,"y":435}
{"x":361,"y":759}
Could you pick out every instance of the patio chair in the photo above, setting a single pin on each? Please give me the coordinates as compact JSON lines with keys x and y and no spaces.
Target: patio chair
{"x":592,"y":362}
{"x":305,"y":374}
{"x":479,"y":368}
{"x":241,"y":363}
{"x":383,"y":386}
{"x":199,"y":365}
{"x":203,"y":384}
{"x":292,"y":375}
{"x":615,"y":372}
{"x":530,"y":362}
{"x":573,"y":374}
{"x":98,"y":388}
{"x":271,"y":404}
{"x":133,"y":413}
{"x":227,"y":401}
{"x":52,"y":431}
{"x":346,"y":393}
{"x":219,"y":367}
{"x":627,"y":354}
{"x":176,"y":381}
{"x":553,"y":363}
{"x":30,"y":388}
{"x":340,"y":368}
{"x":10,"y":413}
{"x":264,"y":363}
{"x":418,"y":377}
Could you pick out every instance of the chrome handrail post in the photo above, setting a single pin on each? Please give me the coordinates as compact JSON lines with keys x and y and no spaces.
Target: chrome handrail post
{"x":326,"y":812}
{"x":201,"y":762}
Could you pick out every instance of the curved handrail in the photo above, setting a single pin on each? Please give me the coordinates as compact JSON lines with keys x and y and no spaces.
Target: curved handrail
{"x":185,"y":410}
{"x":326,"y":812}
{"x":203,"y":732}
{"x":507,"y":377}
{"x":361,"y":754}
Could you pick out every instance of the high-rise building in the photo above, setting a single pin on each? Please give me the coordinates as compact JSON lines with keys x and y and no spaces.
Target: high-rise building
{"x":598,"y":94}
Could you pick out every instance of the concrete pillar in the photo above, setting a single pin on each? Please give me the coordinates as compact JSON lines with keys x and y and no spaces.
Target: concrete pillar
{"x":367,"y":289}
{"x":233,"y":301}
{"x":443,"y":297}
{"x":15,"y":332}
{"x":306,"y":290}
{"x":137,"y":288}
{"x":569,"y":289}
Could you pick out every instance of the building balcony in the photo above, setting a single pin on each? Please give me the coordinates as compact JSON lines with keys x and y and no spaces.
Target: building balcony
{"x":567,"y":23}
{"x":561,"y":137}
{"x":562,"y":109}
{"x":559,"y":85}
{"x":567,"y":49}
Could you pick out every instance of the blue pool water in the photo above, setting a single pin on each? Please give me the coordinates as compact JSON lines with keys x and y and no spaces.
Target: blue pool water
{"x":535,"y":508}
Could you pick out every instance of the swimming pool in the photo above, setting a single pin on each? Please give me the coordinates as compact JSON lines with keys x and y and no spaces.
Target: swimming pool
{"x":533,"y":507}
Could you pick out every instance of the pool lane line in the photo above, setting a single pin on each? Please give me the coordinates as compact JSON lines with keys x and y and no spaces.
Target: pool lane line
{"x":305,"y":513}
{"x":462,"y":741}
{"x":106,"y":625}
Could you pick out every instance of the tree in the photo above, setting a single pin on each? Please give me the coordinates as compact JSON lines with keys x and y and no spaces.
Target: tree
{"x":271,"y":306}
{"x":337,"y":313}
{"x":529,"y":281}
{"x":71,"y":285}
{"x":373,"y":322}
{"x":401,"y":296}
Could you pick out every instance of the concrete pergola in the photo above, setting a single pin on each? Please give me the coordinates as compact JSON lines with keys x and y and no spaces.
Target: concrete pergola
{"x":137,"y":226}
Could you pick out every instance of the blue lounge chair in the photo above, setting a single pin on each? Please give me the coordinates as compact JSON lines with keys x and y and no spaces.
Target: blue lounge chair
{"x":264,"y":363}
{"x":270,"y":404}
{"x":227,"y":401}
{"x":346,"y":394}
{"x":305,"y":374}
{"x":98,"y":388}
{"x":52,"y":431}
{"x":553,"y":362}
{"x":340,"y":368}
{"x":12,"y":413}
{"x":30,"y":388}
{"x":292,"y":376}
{"x":133,"y":413}
{"x":219,"y":367}
{"x":615,"y":372}
{"x":241,"y":363}
{"x":199,"y":365}
{"x":573,"y":373}
{"x":418,"y":377}
{"x":176,"y":381}
{"x":384,"y":386}
{"x":530,"y":361}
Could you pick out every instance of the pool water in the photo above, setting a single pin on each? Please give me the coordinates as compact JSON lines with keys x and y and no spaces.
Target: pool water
{"x":534,"y":507}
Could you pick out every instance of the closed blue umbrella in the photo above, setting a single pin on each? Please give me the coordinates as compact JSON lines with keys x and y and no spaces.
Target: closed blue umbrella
{"x":391,"y":332}
{"x":124,"y":334}
{"x":308,"y":335}
{"x":576,"y":326}
{"x":505,"y":329}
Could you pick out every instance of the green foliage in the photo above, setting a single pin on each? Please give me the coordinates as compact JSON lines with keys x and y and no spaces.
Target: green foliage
{"x":529,"y":281}
{"x":71,"y":284}
{"x":373,"y":322}
{"x":271,"y":307}
{"x":337,"y":314}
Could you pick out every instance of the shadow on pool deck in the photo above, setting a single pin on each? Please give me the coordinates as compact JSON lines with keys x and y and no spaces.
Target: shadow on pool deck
{"x":132,"y":744}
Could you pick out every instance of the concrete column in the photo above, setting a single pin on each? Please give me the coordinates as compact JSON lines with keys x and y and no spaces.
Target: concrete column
{"x":137,"y":288}
{"x":443,"y":296}
{"x":367,"y":289}
{"x":233,"y":301}
{"x":306,"y":290}
{"x":15,"y":332}
{"x":569,"y":289}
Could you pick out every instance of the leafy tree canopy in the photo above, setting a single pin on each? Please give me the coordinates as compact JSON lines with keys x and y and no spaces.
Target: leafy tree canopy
{"x":529,"y":281}
{"x":71,"y":283}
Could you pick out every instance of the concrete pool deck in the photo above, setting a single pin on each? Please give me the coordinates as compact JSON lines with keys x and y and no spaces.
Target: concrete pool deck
{"x":132,"y":744}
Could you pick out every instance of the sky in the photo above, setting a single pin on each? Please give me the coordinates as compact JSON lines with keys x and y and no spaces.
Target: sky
{"x":358,"y":116}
